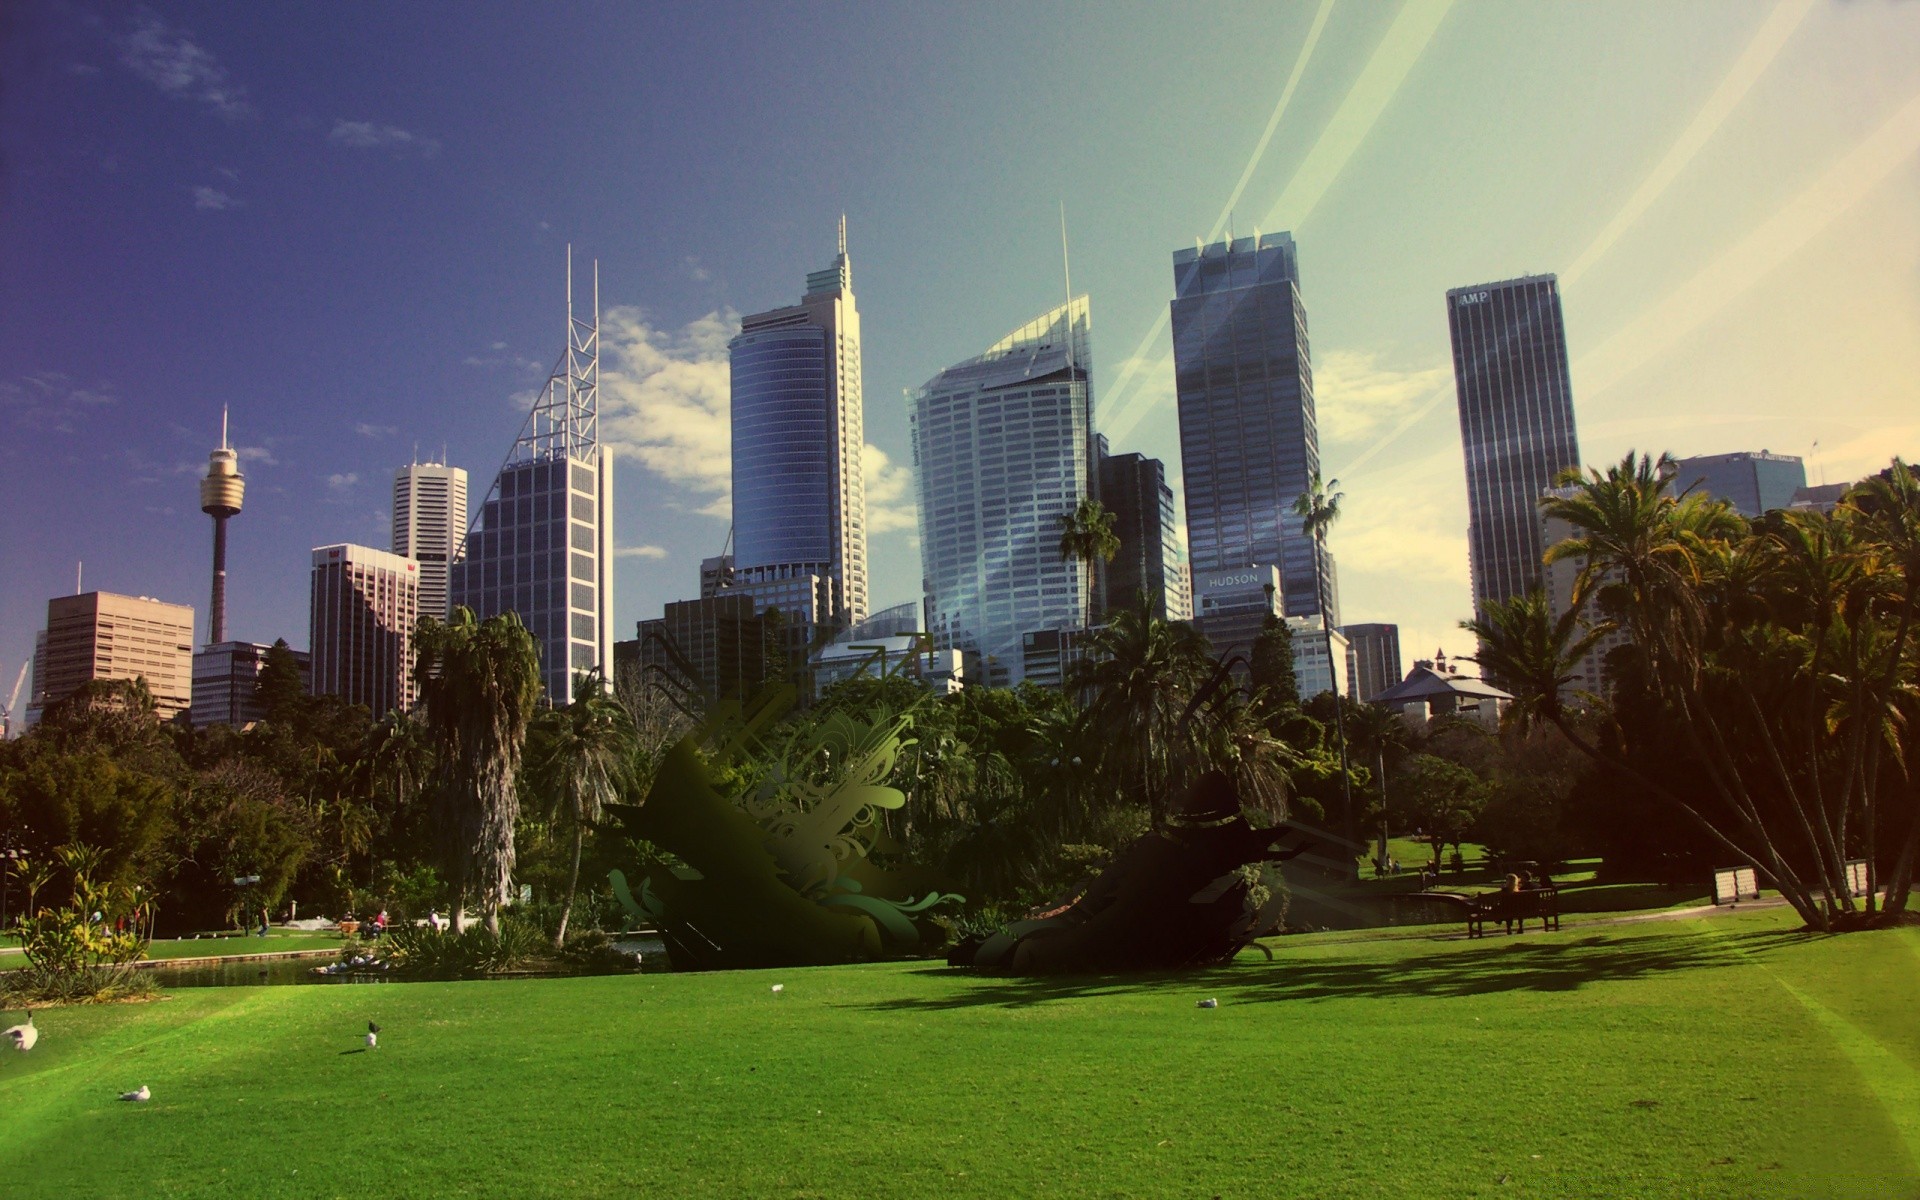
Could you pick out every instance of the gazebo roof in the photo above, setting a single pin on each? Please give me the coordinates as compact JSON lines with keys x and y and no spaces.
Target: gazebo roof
{"x":1424,"y":683}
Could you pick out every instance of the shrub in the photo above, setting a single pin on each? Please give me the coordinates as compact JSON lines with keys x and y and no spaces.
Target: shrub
{"x":84,"y":950}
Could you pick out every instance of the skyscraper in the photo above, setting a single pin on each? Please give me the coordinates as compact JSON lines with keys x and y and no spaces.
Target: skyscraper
{"x":1249,"y":443}
{"x":1753,"y":482}
{"x":429,"y":525}
{"x":1134,"y":488}
{"x":1376,"y":658}
{"x":1002,"y":449}
{"x":543,"y":544}
{"x":799,"y":491}
{"x":100,"y":635}
{"x":1516,"y":424}
{"x":364,"y":605}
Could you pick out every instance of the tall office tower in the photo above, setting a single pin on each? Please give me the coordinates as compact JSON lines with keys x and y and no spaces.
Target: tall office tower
{"x":1752,"y":483}
{"x":1002,"y":448}
{"x":365,"y":602}
{"x":221,"y":493}
{"x":36,"y":689}
{"x":226,"y":680}
{"x":717,"y":646}
{"x":799,"y":487}
{"x":543,"y":544}
{"x":100,"y":635}
{"x":1376,"y":658}
{"x":1516,"y":424}
{"x":429,"y":525}
{"x":1134,"y":488}
{"x":1249,"y":441}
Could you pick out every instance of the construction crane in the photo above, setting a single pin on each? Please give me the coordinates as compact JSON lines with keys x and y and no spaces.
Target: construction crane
{"x":6,"y":714}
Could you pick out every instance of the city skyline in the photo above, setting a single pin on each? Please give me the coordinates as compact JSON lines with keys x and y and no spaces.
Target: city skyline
{"x":277,"y":185}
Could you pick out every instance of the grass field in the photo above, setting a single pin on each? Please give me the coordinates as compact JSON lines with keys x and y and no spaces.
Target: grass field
{"x":276,"y":942}
{"x":1716,"y":1057}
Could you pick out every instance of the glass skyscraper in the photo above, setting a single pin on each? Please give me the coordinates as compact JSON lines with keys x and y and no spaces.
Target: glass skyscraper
{"x":542,"y":546}
{"x":1249,"y":442}
{"x":1753,"y":482}
{"x":1516,"y":424}
{"x":1002,"y":448}
{"x":1134,"y":489}
{"x":799,"y":487}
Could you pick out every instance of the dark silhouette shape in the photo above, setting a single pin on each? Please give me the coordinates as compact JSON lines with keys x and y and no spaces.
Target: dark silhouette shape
{"x":1173,"y":900}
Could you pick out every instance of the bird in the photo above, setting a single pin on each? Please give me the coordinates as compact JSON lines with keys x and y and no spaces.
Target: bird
{"x":778,"y":988}
{"x":373,"y":1036}
{"x":23,"y":1036}
{"x":140,"y":1096}
{"x":1209,"y":1002}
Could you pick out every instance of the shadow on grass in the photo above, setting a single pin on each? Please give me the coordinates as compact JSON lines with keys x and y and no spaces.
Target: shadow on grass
{"x":1485,"y":967}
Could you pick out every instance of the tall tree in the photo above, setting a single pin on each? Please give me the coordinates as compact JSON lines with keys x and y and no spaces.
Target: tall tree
{"x":585,"y":751}
{"x":1766,"y":662}
{"x":1142,"y":672}
{"x":479,"y":682}
{"x":1086,"y":535}
{"x":1319,"y":507}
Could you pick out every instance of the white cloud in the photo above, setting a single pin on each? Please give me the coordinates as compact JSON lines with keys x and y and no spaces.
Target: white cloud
{"x":366,"y":135}
{"x":890,"y":500}
{"x":664,"y":401}
{"x":169,"y":59}
{"x":342,"y":484}
{"x":367,"y":430}
{"x":256,"y":454}
{"x":213,"y":199}
{"x":641,"y":552}
{"x":50,"y":401}
{"x":696,"y":271}
{"x":1355,"y":396}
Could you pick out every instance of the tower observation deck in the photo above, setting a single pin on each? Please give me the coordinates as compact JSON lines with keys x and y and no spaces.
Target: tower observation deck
{"x":221,"y":493}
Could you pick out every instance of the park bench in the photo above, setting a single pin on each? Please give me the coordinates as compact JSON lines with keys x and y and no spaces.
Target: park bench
{"x":1509,"y":909}
{"x":1505,"y":909}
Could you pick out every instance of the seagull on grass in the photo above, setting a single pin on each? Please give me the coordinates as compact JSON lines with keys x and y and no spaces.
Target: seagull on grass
{"x":139,"y":1097}
{"x":23,"y":1036}
{"x":373,"y":1036}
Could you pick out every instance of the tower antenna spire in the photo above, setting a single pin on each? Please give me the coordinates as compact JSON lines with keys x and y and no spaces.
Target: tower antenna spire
{"x":1066,"y":272}
{"x":223,"y":428}
{"x":843,"y":235}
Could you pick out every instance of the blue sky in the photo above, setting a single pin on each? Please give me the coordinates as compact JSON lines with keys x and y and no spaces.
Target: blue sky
{"x":347,"y":222}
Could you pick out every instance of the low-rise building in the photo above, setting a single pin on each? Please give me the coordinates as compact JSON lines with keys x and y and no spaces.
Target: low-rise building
{"x":226,"y":678}
{"x":102,"y":635}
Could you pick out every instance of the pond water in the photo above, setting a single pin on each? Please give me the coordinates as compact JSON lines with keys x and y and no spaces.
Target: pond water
{"x":235,"y":973}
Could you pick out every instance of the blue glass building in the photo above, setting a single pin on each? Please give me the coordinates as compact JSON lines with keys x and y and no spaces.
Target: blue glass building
{"x":1002,"y":449}
{"x":799,"y":488}
{"x":1753,"y":482}
{"x":1249,"y":441}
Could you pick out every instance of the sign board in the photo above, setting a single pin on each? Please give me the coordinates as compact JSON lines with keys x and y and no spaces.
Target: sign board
{"x":1857,"y":884}
{"x":1731,"y":885}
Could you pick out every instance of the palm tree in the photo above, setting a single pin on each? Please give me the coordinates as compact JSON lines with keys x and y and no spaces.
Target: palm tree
{"x":1318,"y":508}
{"x":1086,"y":534}
{"x":1141,"y":672}
{"x":479,"y":681}
{"x":586,"y":750}
{"x":1377,"y":732}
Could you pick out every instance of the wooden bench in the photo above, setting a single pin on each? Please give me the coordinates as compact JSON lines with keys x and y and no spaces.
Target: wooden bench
{"x":1509,"y":909}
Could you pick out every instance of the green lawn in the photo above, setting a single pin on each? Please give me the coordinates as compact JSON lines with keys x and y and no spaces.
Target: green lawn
{"x":1725,"y":1056}
{"x":278,"y":941}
